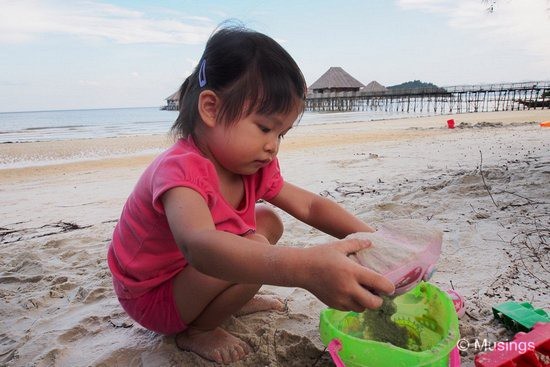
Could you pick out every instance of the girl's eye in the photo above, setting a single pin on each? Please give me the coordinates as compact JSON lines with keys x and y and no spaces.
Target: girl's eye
{"x":264,"y":129}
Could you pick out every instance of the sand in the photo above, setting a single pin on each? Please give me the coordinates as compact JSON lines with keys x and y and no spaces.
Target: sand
{"x":485,"y":183}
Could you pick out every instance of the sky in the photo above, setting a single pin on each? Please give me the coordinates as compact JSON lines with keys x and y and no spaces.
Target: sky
{"x":58,"y":54}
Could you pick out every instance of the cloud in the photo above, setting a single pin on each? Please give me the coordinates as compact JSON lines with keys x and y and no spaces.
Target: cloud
{"x":26,"y":20}
{"x":523,"y":24}
{"x":427,"y":5}
{"x":11,"y":83}
{"x":89,"y":83}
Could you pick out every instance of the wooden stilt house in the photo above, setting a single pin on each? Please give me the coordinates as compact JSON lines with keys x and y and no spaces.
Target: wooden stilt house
{"x":172,"y":102}
{"x":335,"y":79}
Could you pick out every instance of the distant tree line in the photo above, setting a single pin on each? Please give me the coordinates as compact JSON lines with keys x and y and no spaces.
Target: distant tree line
{"x":416,"y":85}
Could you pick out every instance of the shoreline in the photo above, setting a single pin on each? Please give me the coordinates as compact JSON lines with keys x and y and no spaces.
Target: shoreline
{"x":25,"y":155}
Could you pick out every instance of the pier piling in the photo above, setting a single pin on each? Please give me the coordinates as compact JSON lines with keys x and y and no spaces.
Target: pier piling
{"x":445,"y":100}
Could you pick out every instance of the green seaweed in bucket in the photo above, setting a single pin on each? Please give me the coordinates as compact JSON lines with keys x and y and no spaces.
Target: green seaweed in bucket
{"x":379,"y":326}
{"x":427,"y":314}
{"x":415,"y":340}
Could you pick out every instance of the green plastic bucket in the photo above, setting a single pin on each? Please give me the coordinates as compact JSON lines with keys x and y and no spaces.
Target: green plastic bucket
{"x":425,"y":311}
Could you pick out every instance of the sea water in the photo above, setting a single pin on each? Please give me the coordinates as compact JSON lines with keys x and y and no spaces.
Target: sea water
{"x":83,"y":124}
{"x":99,"y":123}
{"x":63,"y":125}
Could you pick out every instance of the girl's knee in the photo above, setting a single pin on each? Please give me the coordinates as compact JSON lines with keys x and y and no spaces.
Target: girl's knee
{"x":268,"y":223}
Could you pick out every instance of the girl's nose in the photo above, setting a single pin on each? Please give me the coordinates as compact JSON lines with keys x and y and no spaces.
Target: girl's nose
{"x":272,"y":146}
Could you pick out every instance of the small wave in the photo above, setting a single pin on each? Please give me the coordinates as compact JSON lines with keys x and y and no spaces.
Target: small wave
{"x":41,"y":161}
{"x":151,"y":122}
{"x":72,"y":127}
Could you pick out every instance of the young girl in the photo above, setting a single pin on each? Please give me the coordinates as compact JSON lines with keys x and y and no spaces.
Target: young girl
{"x":192,"y":246}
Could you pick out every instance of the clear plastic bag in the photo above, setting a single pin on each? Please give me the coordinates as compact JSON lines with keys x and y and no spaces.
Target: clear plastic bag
{"x":405,"y":251}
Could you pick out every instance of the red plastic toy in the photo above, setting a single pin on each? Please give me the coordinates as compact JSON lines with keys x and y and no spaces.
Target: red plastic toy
{"x":530,"y":349}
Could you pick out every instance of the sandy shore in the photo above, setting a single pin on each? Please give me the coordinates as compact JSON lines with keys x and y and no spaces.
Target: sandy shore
{"x":59,"y":207}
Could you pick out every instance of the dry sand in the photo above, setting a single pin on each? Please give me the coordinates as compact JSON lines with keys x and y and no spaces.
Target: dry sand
{"x":57,"y":307}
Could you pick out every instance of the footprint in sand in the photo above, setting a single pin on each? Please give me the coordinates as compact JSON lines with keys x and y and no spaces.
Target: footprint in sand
{"x":87,"y":326}
{"x":50,"y":358}
{"x":61,"y":284}
{"x":73,"y":334}
{"x":86,"y":296}
{"x":8,"y":349}
{"x":97,"y":294}
{"x":25,"y":263}
{"x":291,"y":347}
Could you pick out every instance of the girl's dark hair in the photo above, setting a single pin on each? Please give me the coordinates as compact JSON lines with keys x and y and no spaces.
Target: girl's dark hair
{"x":246,"y":69}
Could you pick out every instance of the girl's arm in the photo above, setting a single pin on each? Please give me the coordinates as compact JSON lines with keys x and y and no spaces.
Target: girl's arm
{"x":319,"y":212}
{"x":237,"y":259}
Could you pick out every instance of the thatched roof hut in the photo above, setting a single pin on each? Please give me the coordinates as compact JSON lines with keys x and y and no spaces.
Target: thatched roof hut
{"x":336,"y":79}
{"x":375,"y":88}
{"x":172,"y":102}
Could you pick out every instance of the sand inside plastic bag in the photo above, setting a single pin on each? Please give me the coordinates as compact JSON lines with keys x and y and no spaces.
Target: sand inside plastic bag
{"x":396,"y":243}
{"x":393,"y":245}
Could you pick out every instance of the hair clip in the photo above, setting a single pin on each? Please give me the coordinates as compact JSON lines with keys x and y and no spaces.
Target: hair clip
{"x":202,"y":74}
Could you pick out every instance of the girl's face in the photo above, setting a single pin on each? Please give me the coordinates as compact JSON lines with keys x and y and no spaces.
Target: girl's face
{"x":251,"y":143}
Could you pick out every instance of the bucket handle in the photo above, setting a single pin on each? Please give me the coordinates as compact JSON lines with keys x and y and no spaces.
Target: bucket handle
{"x":454,"y":358}
{"x":333,"y":348}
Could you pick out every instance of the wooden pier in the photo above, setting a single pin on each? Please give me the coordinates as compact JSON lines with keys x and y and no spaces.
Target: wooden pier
{"x":445,"y":100}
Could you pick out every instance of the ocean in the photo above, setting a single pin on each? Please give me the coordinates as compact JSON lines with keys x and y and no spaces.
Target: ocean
{"x":83,"y":124}
{"x":100,"y":123}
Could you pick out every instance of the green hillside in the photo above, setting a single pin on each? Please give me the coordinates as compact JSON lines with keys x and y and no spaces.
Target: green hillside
{"x":416,"y":84}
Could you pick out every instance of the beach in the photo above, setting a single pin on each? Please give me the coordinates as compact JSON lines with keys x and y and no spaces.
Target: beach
{"x":484,"y":183}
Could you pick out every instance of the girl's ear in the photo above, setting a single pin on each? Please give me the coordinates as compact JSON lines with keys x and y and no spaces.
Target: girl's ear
{"x":208,"y":107}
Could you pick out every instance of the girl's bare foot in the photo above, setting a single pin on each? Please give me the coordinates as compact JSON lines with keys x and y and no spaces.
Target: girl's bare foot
{"x":262,"y":302}
{"x":216,"y":345}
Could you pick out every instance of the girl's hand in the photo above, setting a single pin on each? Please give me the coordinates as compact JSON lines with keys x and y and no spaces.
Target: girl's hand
{"x":340,"y":282}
